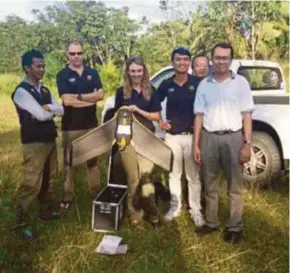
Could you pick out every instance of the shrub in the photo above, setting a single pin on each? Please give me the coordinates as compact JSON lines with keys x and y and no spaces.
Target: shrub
{"x":111,"y":77}
{"x":8,"y":82}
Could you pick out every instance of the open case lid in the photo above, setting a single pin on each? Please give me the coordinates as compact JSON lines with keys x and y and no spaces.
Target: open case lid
{"x":116,"y":173}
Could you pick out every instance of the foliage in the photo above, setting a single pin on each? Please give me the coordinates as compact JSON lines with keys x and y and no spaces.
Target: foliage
{"x":111,"y":77}
{"x":8,"y":83}
{"x":256,"y":29}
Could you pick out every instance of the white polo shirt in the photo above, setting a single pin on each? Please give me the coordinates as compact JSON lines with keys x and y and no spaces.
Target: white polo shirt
{"x":222,"y":103}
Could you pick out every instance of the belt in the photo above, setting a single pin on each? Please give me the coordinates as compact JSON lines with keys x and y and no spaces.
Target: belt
{"x":181,"y":133}
{"x":224,"y":132}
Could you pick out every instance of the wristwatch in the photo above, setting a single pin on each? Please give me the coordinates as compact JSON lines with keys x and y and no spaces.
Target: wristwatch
{"x":79,"y":97}
{"x":247,"y":141}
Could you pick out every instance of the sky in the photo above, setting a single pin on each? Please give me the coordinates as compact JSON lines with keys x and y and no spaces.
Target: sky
{"x":137,"y":8}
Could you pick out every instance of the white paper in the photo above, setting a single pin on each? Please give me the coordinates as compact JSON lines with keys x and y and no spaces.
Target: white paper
{"x":111,"y":245}
{"x":124,"y":130}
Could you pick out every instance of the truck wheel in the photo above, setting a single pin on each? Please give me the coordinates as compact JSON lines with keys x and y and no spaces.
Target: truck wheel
{"x":265,"y":164}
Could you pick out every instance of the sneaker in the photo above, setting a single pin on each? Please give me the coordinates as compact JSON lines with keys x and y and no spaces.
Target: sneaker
{"x":233,"y":237}
{"x":65,"y":207}
{"x":156,"y":224}
{"x":197,"y":218}
{"x":171,"y":214}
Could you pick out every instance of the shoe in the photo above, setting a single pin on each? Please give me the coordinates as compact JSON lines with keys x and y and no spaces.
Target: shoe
{"x":204,"y":230}
{"x":171,"y":214}
{"x":28,"y":234}
{"x":233,"y":237}
{"x":65,"y":206}
{"x":24,"y":233}
{"x":156,"y":224}
{"x":197,"y":218}
{"x":50,"y":215}
{"x":136,"y":225}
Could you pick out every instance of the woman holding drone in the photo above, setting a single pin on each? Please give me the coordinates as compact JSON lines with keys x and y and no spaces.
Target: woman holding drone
{"x":138,"y":94}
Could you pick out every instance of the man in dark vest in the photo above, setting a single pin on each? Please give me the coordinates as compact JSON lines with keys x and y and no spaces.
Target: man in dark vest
{"x":80,"y":89}
{"x":36,"y":109}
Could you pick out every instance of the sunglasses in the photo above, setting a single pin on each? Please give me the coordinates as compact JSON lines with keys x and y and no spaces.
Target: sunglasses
{"x":75,"y":53}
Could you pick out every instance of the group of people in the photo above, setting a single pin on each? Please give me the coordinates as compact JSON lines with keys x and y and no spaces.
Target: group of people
{"x":208,"y":124}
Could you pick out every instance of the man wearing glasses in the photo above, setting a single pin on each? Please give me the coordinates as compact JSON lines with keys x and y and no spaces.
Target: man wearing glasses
{"x":179,"y":90}
{"x":80,"y":88}
{"x":222,"y":137}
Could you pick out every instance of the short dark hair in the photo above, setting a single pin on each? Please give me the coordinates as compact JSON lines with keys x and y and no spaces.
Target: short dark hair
{"x":27,"y":57}
{"x":198,"y":56}
{"x":180,"y":50}
{"x":223,"y":45}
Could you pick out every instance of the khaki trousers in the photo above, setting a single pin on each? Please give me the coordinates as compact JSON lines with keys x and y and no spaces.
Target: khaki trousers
{"x":39,"y":169}
{"x":141,"y":193}
{"x":93,"y":172}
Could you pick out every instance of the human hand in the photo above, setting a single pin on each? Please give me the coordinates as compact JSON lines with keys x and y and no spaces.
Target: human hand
{"x":197,"y":155}
{"x":164,"y":124}
{"x":245,"y":153}
{"x":46,"y":107}
{"x":133,"y":108}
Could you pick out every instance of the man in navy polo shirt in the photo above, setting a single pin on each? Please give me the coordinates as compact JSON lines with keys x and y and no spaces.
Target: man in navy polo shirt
{"x":80,"y":88}
{"x":179,"y":90}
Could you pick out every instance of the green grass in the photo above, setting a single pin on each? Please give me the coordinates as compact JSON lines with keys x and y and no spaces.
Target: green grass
{"x":68,"y":245}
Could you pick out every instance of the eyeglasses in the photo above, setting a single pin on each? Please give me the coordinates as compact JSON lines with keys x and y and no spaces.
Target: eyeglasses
{"x":75,"y":53}
{"x":221,"y":59}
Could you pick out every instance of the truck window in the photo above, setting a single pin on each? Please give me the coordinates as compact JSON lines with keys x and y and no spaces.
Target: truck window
{"x":262,"y":78}
{"x":156,"y":81}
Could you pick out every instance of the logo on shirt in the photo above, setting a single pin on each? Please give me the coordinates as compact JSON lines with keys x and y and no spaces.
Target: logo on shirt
{"x":71,"y":80}
{"x":170,"y":90}
{"x":89,"y":77}
{"x":191,"y":88}
{"x":45,"y":90}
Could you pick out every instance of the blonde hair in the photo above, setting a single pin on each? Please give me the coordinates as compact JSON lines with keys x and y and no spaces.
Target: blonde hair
{"x":74,"y":42}
{"x":145,"y":83}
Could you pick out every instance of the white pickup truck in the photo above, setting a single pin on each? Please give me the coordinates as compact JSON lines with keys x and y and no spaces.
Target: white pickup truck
{"x":271,"y":119}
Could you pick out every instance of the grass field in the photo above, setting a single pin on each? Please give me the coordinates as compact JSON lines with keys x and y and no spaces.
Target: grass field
{"x":68,"y":245}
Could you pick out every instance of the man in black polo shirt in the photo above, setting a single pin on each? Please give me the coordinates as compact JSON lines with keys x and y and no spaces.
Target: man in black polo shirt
{"x":179,"y":90}
{"x":79,"y":88}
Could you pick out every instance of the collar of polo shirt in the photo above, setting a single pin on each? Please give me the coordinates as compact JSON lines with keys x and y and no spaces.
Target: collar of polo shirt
{"x":210,"y":78}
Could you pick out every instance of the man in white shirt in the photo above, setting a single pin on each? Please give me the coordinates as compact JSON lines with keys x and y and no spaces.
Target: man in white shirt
{"x":222,"y":137}
{"x":36,"y":109}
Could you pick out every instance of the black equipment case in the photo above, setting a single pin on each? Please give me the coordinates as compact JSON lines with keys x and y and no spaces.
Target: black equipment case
{"x":110,"y":203}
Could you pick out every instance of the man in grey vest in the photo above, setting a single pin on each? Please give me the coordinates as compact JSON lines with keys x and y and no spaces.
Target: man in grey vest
{"x":222,"y":137}
{"x":36,"y":109}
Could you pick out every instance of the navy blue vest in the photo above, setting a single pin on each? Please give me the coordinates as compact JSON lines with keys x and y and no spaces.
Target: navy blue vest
{"x":31,"y":129}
